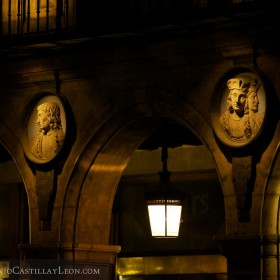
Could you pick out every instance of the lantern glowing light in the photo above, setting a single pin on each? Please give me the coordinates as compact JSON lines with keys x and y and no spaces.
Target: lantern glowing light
{"x":165,"y":205}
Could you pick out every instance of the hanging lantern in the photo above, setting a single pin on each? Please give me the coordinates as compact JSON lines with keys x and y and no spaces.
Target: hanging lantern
{"x":165,"y":216}
{"x":165,"y":205}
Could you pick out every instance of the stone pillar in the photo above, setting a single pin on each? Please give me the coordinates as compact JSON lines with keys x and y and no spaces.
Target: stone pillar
{"x":65,"y":261}
{"x":244,"y":256}
{"x":271,"y":257}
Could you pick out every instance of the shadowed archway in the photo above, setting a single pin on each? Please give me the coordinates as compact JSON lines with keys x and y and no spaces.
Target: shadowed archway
{"x":91,"y":190}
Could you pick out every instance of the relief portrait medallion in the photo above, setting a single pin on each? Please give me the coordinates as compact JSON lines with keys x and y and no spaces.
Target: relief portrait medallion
{"x":46,"y":129}
{"x":239,"y":112}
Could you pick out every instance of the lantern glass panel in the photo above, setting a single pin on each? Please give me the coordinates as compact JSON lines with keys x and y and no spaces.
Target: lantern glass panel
{"x":173,"y":220}
{"x":157,"y":219}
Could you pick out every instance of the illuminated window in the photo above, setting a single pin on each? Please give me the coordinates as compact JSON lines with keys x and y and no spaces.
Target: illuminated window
{"x":37,"y":16}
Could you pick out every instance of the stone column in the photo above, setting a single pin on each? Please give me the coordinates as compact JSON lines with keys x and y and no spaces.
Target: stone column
{"x":270,"y":255}
{"x":244,"y":256}
{"x":68,"y":261}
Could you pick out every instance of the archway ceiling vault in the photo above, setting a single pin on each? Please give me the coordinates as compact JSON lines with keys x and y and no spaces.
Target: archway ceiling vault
{"x":172,"y":134}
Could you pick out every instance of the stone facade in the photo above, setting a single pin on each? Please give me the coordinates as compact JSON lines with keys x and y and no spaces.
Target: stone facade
{"x":114,"y":90}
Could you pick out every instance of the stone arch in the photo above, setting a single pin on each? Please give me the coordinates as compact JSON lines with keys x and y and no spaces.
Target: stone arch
{"x":271,"y":210}
{"x":21,"y":190}
{"x":99,"y":168}
{"x":10,"y":142}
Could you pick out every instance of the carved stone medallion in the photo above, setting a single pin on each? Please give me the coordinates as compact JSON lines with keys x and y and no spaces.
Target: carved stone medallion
{"x":45,"y":129}
{"x":239,"y":109}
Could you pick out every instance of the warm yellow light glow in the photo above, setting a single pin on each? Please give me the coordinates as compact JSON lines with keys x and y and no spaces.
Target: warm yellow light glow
{"x":4,"y":267}
{"x":157,"y":219}
{"x":192,"y":264}
{"x":173,"y":219}
{"x":165,"y":219}
{"x":19,"y":17}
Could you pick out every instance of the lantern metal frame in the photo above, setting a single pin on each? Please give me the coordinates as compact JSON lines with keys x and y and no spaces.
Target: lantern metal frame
{"x":165,"y":204}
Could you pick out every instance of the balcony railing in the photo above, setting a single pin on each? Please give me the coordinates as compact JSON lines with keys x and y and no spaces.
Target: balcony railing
{"x":27,"y":17}
{"x":20,"y":17}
